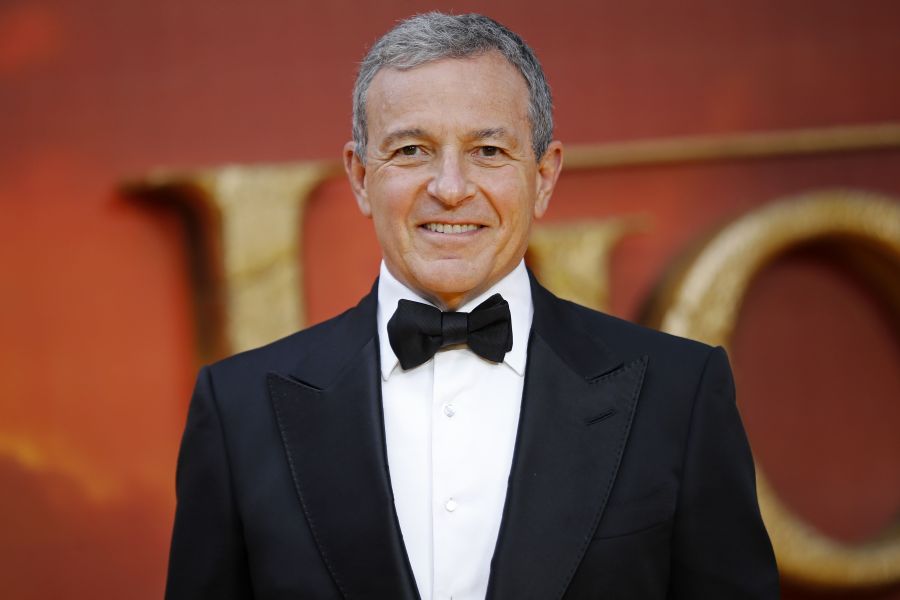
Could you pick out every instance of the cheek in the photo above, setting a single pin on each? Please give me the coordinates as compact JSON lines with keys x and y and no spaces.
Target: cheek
{"x":392,"y":202}
{"x":516,"y":212}
{"x":389,"y":227}
{"x":513,"y":199}
{"x":393,"y":195}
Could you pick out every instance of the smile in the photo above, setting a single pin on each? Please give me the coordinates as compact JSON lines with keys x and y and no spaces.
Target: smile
{"x":451,"y":227}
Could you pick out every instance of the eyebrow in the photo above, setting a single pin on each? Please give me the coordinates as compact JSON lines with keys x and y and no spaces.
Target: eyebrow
{"x":490,"y":132}
{"x":392,"y":137}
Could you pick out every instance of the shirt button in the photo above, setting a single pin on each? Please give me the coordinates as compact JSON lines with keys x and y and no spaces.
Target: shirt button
{"x":451,"y":505}
{"x":449,"y":410}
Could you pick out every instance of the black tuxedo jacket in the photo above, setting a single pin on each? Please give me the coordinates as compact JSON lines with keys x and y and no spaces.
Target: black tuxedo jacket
{"x":632,"y":478}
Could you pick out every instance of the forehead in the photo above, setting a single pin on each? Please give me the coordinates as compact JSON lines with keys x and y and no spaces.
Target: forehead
{"x":483,"y":91}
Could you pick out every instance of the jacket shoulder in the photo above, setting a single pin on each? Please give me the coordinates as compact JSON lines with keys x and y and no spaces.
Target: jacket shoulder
{"x":335,"y":335}
{"x":627,"y":338}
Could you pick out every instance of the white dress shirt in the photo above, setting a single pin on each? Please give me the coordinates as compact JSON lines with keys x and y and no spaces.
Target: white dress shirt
{"x":450,"y":427}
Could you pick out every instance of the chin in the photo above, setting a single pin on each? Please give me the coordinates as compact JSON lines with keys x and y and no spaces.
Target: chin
{"x":444,"y":283}
{"x":450,"y":280}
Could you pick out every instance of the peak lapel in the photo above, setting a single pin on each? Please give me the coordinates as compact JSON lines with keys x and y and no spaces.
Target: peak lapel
{"x":331,"y":422}
{"x":577,"y":409}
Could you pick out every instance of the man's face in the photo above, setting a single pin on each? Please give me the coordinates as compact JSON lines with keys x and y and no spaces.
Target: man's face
{"x":450,"y":179}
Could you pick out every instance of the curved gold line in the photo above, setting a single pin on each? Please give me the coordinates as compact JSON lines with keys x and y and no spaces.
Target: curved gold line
{"x":705,"y":306}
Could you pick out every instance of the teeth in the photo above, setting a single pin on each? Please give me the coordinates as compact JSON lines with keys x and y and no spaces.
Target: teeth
{"x":450,"y":228}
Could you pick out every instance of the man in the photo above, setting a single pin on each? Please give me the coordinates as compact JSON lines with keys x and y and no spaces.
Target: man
{"x":513,"y":446}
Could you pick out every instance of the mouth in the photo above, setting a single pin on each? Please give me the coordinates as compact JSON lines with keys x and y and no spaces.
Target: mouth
{"x":451,"y":228}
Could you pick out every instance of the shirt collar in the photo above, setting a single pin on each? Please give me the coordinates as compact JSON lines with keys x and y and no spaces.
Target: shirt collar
{"x":515,"y":289}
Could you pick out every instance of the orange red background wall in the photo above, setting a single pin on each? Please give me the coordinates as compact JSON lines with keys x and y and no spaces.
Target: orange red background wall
{"x":97,"y":351}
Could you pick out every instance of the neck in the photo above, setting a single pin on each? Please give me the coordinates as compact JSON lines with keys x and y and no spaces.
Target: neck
{"x":451,"y":300}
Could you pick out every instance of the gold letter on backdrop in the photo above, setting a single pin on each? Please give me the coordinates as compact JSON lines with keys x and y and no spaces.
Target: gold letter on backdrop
{"x":572,"y":259}
{"x":249,"y":270}
{"x":704,"y":305}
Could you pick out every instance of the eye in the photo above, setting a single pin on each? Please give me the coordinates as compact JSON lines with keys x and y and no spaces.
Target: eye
{"x":489,"y":151}
{"x":409,"y":150}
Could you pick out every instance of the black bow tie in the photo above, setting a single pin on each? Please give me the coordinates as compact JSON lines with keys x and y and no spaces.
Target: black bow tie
{"x":417,"y":331}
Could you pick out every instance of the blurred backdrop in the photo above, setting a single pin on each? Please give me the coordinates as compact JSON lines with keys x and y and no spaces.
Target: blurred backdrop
{"x":116,"y":118}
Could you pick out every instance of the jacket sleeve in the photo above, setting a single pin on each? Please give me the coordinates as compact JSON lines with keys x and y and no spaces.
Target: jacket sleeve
{"x":208,"y":558}
{"x":720,"y":545}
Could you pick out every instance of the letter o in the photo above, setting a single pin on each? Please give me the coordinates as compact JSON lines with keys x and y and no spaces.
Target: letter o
{"x":703,"y":304}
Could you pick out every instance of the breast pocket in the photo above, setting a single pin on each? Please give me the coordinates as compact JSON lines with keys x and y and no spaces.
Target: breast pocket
{"x":627,"y":516}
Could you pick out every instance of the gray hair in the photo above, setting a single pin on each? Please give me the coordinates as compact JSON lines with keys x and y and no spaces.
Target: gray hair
{"x":434,"y":35}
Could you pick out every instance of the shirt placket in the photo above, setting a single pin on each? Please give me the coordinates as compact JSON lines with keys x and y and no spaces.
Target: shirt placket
{"x":448,"y":506}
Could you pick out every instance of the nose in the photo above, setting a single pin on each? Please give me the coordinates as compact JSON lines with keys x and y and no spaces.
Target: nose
{"x":450,"y":183}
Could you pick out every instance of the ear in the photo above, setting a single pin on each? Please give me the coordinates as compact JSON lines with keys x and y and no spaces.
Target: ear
{"x":549,"y":167}
{"x":356,"y":173}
